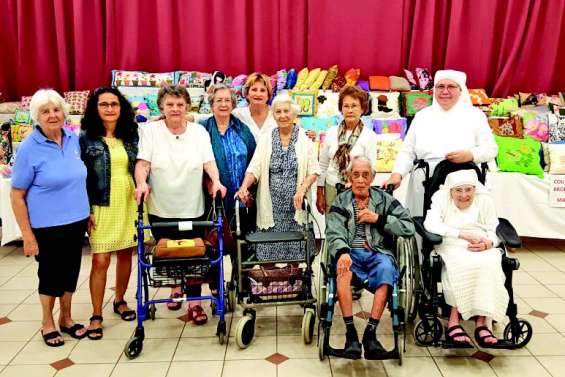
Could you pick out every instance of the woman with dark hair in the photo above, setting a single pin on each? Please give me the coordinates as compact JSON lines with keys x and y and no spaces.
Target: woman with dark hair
{"x":109,"y":150}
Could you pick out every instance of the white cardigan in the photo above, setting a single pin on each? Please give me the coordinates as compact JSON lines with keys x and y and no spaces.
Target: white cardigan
{"x":366,"y":145}
{"x":259,"y":167}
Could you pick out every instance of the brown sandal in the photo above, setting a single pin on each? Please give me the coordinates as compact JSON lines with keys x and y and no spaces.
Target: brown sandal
{"x":197,"y":315}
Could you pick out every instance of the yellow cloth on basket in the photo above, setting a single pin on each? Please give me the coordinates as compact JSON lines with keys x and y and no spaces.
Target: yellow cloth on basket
{"x":115,"y":223}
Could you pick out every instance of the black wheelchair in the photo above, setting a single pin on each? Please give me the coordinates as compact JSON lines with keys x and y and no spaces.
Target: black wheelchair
{"x":400,"y":302}
{"x":428,"y":296}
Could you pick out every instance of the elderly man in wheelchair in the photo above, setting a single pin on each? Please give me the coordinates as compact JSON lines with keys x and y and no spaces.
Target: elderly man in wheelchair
{"x":360,"y":229}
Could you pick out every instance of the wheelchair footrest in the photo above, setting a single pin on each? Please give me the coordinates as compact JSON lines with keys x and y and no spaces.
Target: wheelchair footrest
{"x":272,"y":237}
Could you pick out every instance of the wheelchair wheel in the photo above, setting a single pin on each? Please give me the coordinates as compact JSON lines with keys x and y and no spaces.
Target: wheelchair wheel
{"x":523,"y":334}
{"x":245,"y":331}
{"x":308,"y":322}
{"x":322,"y":281}
{"x":133,"y":347}
{"x":323,"y":339}
{"x":428,"y":331}
{"x":151,"y":311}
{"x":406,"y":251}
{"x":231,"y":301}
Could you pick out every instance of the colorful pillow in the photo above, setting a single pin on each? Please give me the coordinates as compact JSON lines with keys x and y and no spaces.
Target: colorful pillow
{"x":281,"y":79}
{"x":556,"y":128}
{"x":363,"y":84}
{"x":192,"y":79}
{"x":319,"y":124}
{"x":338,"y":83}
{"x":506,"y":126}
{"x":504,"y":108}
{"x":352,"y":75}
{"x":388,"y":147}
{"x":301,"y":78}
{"x":425,"y":79}
{"x":9,"y":107}
{"x":479,"y":97}
{"x":140,"y":78}
{"x":411,"y":80}
{"x":291,"y":78}
{"x":527,"y":99}
{"x":20,"y":132}
{"x":398,"y":83}
{"x":385,"y":104}
{"x":390,"y":126}
{"x":22,"y":117}
{"x":379,"y":83}
{"x":415,"y":101}
{"x":151,"y":101}
{"x":544,"y":156}
{"x":330,"y":77}
{"x":556,"y":158}
{"x":328,"y":104}
{"x":6,"y":149}
{"x":307,"y":100}
{"x":77,"y":101}
{"x":536,"y":126}
{"x":311,"y":78}
{"x":519,"y":155}
{"x":25,"y":102}
{"x":72,"y":124}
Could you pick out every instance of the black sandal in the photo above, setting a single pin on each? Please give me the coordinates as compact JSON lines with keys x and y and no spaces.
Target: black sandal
{"x":52,"y":335}
{"x":126,"y":315}
{"x":95,"y":334}
{"x":450,"y":337}
{"x":72,"y":331}
{"x":481,"y":339}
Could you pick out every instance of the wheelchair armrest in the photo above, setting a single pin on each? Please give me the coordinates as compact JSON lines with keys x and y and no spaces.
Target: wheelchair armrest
{"x":434,"y":239}
{"x":507,"y":234}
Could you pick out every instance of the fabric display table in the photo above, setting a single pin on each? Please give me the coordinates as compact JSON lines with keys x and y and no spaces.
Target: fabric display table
{"x":524,"y":201}
{"x":10,"y":229}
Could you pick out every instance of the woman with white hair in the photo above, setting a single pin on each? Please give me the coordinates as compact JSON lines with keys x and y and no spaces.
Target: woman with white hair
{"x":51,"y":207}
{"x":450,"y":129}
{"x":472,"y":278}
{"x":284,"y":166}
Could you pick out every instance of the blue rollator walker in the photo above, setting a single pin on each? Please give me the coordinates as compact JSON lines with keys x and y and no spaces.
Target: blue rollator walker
{"x":167,"y":272}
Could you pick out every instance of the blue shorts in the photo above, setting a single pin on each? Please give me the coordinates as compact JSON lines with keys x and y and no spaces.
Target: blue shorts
{"x":372,"y":269}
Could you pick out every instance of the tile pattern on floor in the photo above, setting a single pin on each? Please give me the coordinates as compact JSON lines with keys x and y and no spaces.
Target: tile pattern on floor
{"x":172,"y":346}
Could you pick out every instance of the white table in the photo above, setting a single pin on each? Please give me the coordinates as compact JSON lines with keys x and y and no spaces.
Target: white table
{"x":10,"y":229}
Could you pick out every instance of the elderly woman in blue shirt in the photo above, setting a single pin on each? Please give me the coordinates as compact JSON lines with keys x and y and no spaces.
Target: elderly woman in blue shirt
{"x":51,"y":207}
{"x":232,"y":142}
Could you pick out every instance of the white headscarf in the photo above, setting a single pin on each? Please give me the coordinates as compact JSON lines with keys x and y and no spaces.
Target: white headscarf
{"x":461,"y":79}
{"x":461,"y":178}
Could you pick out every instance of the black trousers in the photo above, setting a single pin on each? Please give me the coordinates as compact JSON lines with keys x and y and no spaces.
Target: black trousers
{"x":60,"y":253}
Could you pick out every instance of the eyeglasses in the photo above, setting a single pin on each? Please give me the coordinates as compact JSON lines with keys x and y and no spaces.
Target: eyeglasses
{"x":106,"y":105}
{"x":450,"y":87}
{"x":222,"y":100}
{"x":352,"y":106}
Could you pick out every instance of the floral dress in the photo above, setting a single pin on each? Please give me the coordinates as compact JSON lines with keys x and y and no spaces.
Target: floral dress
{"x":283,"y":173}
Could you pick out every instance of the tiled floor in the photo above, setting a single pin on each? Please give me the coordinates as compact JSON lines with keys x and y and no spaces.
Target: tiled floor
{"x":176,"y":348}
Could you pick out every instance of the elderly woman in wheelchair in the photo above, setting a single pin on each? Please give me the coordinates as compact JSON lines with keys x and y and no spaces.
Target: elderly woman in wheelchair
{"x":360,"y":226}
{"x":463,"y":213}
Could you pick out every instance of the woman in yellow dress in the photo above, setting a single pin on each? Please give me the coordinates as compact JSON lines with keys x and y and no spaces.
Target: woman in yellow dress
{"x":109,"y":144}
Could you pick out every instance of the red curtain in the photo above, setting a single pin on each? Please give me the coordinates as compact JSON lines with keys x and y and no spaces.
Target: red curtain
{"x":503,"y":45}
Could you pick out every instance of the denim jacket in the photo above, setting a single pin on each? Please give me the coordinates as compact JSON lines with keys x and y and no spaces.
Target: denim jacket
{"x":96,"y":157}
{"x":393,"y":220}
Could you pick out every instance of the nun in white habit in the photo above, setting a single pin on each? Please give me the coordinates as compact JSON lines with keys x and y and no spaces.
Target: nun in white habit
{"x":473,"y":281}
{"x":450,"y":129}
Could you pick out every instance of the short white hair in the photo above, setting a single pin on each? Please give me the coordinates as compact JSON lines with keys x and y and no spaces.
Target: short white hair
{"x":43,"y":97}
{"x":362,"y":159}
{"x":285,"y":98}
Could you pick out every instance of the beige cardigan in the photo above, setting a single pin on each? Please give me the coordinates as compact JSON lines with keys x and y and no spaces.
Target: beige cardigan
{"x":259,"y":167}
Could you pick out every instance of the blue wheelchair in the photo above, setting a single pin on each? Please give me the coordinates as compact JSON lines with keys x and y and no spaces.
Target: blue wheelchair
{"x":155,"y":271}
